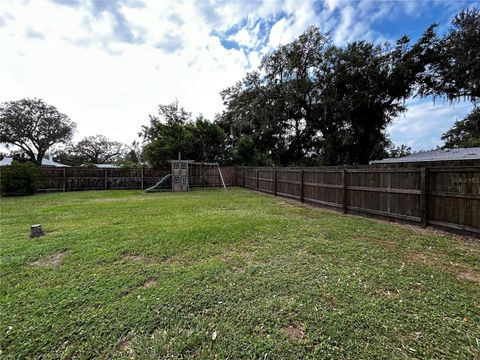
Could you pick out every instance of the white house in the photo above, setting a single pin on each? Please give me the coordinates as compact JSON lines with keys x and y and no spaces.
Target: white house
{"x":46,"y":161}
{"x":107,"y":166}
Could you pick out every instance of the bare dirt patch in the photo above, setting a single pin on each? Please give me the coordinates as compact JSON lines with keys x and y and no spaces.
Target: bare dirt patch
{"x":430,"y":259}
{"x":131,"y":257}
{"x":388,"y":292}
{"x":248,"y":257}
{"x":124,"y":346}
{"x":52,"y":260}
{"x":149,"y":283}
{"x":284,"y":299}
{"x":294,"y":332}
{"x":242,"y":258}
{"x":416,"y":288}
{"x":469,"y":275}
{"x":439,"y":262}
{"x":225,"y":257}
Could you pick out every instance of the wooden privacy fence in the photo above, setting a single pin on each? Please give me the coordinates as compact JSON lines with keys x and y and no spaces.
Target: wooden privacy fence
{"x":443,"y":197}
{"x":447,"y":197}
{"x":75,"y":179}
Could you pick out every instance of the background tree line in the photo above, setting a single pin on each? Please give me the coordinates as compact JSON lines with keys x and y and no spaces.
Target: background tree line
{"x":310,"y":103}
{"x":314,"y":103}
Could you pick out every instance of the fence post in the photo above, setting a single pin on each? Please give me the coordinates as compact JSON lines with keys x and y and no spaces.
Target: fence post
{"x":301,"y":186}
{"x":345,"y":189}
{"x":423,"y":197}
{"x":388,"y":195}
{"x":106,"y":179}
{"x":64,"y":180}
{"x":275,"y":182}
{"x":257,"y":178}
{"x":143,"y":175}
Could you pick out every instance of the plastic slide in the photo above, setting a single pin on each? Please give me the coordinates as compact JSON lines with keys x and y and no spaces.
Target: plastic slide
{"x":160,"y":183}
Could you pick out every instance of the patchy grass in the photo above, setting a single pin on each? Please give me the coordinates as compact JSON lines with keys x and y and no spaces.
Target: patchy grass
{"x":229,"y":275}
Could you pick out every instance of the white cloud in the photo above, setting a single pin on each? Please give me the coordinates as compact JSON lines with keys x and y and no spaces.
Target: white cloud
{"x":422,"y":126}
{"x":109,"y":64}
{"x":112,"y":92}
{"x":247,"y":37}
{"x":300,"y":16}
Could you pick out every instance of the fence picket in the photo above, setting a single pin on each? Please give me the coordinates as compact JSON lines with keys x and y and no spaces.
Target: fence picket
{"x":452,"y":202}
{"x":444,"y":196}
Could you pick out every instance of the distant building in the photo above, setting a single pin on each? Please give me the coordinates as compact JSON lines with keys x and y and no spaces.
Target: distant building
{"x":106,"y":166}
{"x":46,"y":161}
{"x":449,"y":155}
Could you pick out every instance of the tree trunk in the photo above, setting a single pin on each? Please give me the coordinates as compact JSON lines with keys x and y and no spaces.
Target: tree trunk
{"x":39,"y":158}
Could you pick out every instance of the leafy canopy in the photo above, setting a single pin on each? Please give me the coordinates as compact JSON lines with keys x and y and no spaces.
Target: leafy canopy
{"x":173,"y":131}
{"x":465,"y":133}
{"x":34,"y":126}
{"x":96,"y":149}
{"x":311,"y":101}
{"x":454,"y":61}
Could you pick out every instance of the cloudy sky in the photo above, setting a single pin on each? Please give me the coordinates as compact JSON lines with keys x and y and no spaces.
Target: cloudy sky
{"x":108,"y":64}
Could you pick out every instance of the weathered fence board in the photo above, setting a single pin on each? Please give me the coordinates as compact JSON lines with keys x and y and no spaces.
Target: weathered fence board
{"x":440,"y":196}
{"x":77,"y":179}
{"x":446,"y":197}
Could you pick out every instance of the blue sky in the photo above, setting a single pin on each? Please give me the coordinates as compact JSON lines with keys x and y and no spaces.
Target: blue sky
{"x":108,"y":64}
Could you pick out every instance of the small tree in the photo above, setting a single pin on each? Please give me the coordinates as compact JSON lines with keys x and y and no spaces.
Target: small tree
{"x":133,"y":156}
{"x":465,"y":133}
{"x":209,"y":140}
{"x":399,"y":151}
{"x":19,"y":178}
{"x":33,"y":126}
{"x":173,"y":131}
{"x":245,"y":153}
{"x":166,"y":135}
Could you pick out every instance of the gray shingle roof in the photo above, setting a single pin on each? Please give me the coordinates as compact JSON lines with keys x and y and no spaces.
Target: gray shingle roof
{"x":436,"y":155}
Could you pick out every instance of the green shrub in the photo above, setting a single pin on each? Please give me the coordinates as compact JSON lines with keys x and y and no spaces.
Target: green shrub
{"x":20,"y":178}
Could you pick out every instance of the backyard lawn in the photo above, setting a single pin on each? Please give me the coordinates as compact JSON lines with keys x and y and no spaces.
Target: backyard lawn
{"x":123,"y":274}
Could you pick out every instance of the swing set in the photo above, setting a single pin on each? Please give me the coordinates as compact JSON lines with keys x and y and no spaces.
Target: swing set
{"x":183,"y":171}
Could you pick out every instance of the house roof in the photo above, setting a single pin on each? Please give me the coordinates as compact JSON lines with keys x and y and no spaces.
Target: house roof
{"x":45,"y":162}
{"x":436,"y":155}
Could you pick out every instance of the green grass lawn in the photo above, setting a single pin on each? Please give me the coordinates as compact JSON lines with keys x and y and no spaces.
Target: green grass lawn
{"x":123,"y":274}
